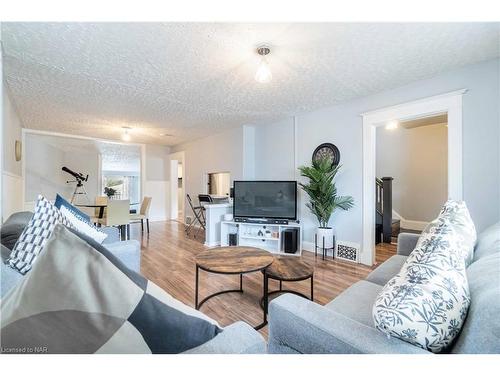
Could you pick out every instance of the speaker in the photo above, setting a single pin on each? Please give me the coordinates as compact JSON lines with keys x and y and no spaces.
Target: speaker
{"x":233,"y":239}
{"x":290,"y":240}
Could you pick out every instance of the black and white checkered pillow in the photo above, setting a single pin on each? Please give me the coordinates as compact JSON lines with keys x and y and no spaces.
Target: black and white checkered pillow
{"x":33,"y":238}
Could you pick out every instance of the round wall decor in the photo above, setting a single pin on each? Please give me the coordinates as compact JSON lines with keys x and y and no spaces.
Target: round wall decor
{"x":328,"y":150}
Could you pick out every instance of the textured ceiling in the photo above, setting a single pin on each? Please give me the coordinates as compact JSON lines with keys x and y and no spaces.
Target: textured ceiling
{"x":194,"y":79}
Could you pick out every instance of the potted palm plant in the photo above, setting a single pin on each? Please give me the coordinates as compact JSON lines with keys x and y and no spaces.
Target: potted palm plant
{"x":323,"y":198}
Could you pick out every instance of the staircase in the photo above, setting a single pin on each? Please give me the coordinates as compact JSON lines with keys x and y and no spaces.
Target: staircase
{"x":385,"y":226}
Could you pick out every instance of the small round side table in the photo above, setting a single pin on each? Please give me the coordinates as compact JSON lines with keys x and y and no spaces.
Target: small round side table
{"x":286,"y":268}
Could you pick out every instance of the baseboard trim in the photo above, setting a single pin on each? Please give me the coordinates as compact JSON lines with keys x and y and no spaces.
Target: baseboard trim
{"x":413,"y":224}
{"x":212,"y":244}
{"x":309,"y":246}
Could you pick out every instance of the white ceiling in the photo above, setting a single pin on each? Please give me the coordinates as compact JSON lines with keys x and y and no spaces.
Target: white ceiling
{"x":193,"y":79}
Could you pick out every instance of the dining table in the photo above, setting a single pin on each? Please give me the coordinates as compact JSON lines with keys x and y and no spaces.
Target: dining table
{"x":100,"y":206}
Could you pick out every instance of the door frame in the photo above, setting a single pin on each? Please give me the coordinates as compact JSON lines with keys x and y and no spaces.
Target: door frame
{"x":176,"y":158}
{"x":450,"y":103}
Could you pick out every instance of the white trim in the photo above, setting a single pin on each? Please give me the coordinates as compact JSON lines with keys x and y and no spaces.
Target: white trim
{"x":413,"y":224}
{"x":13,"y":175}
{"x":180,"y":157}
{"x":396,"y":215}
{"x":451,"y":103}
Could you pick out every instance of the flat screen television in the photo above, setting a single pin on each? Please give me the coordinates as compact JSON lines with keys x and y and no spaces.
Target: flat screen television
{"x":265,"y":199}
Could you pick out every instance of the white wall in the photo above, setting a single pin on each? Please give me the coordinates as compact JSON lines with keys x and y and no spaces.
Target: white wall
{"x":43,"y":174}
{"x":157,"y":180}
{"x":45,"y":156}
{"x":223,"y":152}
{"x":86,"y":163}
{"x":417,"y":160}
{"x":11,"y":169}
{"x":342,"y":125}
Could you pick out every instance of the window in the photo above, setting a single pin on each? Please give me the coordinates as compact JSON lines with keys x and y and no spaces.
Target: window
{"x":121,"y":186}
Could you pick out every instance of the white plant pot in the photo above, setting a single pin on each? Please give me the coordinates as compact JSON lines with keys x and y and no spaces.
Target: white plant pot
{"x":327,"y":234}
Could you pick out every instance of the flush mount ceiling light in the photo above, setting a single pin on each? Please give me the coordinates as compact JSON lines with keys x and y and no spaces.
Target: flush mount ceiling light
{"x":126,"y":135}
{"x":263,"y":74}
{"x":392,"y":125}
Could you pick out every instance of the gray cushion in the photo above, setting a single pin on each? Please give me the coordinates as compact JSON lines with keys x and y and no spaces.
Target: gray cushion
{"x":356,"y":302}
{"x":13,"y":227}
{"x":387,"y":270}
{"x":481,"y":330}
{"x":79,"y":298}
{"x":488,"y":242}
{"x":9,"y":277}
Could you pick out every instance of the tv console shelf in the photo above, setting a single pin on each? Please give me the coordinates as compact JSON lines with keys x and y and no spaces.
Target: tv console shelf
{"x":268,"y":237}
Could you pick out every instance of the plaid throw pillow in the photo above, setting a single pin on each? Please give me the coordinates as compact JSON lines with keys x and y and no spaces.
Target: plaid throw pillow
{"x":35,"y":235}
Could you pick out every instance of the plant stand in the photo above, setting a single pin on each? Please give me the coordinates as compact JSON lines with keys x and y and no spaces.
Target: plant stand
{"x":323,"y":248}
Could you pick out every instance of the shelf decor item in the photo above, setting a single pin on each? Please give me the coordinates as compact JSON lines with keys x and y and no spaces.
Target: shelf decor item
{"x":323,"y":198}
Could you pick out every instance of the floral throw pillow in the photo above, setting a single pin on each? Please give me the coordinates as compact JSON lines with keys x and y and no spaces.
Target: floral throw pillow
{"x":458,"y":215}
{"x":426,"y":303}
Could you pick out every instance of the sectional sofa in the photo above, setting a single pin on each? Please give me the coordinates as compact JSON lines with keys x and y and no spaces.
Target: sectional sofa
{"x":345,"y":325}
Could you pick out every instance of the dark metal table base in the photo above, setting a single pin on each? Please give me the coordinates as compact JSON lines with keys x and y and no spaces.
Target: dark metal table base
{"x":240,"y":290}
{"x":264,"y":301}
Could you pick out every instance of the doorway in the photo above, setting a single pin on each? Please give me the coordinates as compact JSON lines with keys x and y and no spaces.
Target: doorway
{"x":450,"y":104}
{"x":177,"y":187}
{"x":411,"y":177}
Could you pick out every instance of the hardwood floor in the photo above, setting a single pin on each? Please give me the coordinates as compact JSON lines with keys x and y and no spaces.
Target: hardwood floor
{"x":168,"y":260}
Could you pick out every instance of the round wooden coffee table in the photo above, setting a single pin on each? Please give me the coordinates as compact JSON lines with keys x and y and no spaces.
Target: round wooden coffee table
{"x":231,"y":260}
{"x":286,"y":268}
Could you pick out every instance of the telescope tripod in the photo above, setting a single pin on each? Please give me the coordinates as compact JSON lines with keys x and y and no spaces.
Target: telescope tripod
{"x":79,"y":190}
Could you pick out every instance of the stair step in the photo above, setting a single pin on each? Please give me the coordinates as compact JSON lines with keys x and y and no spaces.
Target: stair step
{"x":395,"y":227}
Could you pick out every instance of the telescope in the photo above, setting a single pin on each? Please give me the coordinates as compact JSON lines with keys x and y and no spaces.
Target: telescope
{"x":79,"y":177}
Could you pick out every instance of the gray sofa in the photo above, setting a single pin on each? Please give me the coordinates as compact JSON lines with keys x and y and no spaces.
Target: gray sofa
{"x":345,"y":325}
{"x":129,"y":252}
{"x":237,"y":338}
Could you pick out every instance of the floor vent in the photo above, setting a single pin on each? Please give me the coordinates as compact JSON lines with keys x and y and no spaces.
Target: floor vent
{"x":347,"y":251}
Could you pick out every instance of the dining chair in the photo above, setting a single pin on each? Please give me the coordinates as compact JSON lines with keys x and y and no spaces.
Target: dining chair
{"x":199,"y":216}
{"x":118,"y":215}
{"x":204,"y":198}
{"x":143,"y":213}
{"x":102,"y":199}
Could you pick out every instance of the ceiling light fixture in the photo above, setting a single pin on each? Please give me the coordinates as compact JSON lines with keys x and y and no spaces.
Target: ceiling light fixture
{"x":263,"y":74}
{"x":126,"y":135}
{"x":392,"y":125}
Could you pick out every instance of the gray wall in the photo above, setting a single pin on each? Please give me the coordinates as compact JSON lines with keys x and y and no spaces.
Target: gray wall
{"x":342,"y":125}
{"x":417,"y":160}
{"x":274,"y":151}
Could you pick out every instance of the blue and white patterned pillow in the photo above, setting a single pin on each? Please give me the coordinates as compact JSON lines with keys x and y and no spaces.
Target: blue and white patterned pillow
{"x":35,"y":235}
{"x":458,"y":215}
{"x":61,"y":202}
{"x":426,"y":303}
{"x":83,"y":226}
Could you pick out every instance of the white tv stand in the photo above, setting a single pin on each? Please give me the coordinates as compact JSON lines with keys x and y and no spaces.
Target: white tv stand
{"x":257,"y":235}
